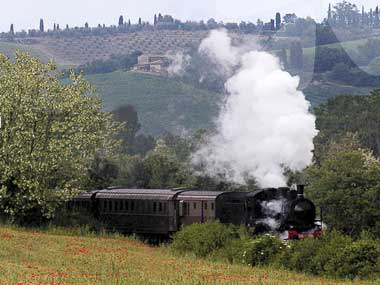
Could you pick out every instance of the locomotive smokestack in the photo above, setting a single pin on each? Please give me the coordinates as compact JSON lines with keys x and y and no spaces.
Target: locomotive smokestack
{"x":300,"y":190}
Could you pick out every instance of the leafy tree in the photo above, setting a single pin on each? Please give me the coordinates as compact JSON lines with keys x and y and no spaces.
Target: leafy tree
{"x":351,"y":114}
{"x":346,"y":14}
{"x":42,"y":28}
{"x":290,"y":18}
{"x":326,"y":58}
{"x":164,"y":169}
{"x":347,"y":186}
{"x":49,"y":137}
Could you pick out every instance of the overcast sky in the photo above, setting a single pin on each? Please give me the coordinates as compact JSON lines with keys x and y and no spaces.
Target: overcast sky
{"x":25,"y":14}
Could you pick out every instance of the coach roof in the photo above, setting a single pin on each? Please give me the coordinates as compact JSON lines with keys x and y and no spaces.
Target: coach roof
{"x":146,"y":194}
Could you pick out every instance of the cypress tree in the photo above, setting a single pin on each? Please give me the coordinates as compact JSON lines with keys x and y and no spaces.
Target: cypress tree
{"x":278,"y":21}
{"x":140,"y":21}
{"x":12,"y":30}
{"x":272,"y":27}
{"x":42,"y":28}
{"x":55,"y":27}
{"x":296,"y":55}
{"x":121,"y":21}
{"x":329,"y":13}
{"x":155,"y":19}
{"x":86,"y":25}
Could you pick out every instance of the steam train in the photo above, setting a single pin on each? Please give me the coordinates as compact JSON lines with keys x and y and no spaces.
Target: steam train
{"x":164,"y":212}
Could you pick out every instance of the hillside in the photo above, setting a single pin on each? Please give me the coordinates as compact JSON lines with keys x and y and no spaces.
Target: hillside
{"x":73,"y":51}
{"x":162,"y":103}
{"x":30,"y":257}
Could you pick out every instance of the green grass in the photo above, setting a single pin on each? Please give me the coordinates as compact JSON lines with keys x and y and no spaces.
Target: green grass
{"x":163,"y":104}
{"x":36,"y":257}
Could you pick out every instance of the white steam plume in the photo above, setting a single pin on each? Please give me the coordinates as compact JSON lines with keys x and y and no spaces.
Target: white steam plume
{"x":265,"y":124}
{"x":178,"y":63}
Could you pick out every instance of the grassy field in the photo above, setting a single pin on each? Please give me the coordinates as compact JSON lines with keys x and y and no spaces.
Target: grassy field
{"x":31,"y":257}
{"x":162,"y":103}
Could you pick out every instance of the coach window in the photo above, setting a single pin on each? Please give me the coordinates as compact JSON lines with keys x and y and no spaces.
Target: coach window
{"x":165,"y":207}
{"x":105,"y":205}
{"x":194,"y":205}
{"x":110,"y":206}
{"x":160,"y":207}
{"x":212,"y":206}
{"x":121,"y":205}
{"x":116,"y":206}
{"x":126,"y":206}
{"x":205,"y":205}
{"x":132,"y":206}
{"x":154,"y":207}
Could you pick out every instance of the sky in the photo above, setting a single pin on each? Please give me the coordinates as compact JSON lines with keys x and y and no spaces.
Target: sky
{"x":25,"y":14}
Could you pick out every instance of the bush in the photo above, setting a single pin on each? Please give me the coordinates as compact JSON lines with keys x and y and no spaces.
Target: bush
{"x":262,"y":250}
{"x":334,"y":255}
{"x":203,"y":239}
{"x":229,"y":243}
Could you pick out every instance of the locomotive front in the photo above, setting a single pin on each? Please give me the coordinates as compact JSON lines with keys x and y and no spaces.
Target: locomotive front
{"x":282,"y":210}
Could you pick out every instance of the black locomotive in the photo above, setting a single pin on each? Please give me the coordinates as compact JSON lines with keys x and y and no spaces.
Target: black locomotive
{"x":163,"y":211}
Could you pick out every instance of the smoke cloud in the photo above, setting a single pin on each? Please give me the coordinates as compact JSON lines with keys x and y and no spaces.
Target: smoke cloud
{"x":178,"y":63}
{"x":265,"y":124}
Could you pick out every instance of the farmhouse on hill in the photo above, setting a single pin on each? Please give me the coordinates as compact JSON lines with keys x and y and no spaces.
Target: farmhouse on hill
{"x":152,"y":64}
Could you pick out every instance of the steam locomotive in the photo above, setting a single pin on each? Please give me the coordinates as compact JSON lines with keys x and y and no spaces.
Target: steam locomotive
{"x":165,"y":211}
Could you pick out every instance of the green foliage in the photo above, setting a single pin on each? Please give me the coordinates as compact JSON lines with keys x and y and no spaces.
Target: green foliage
{"x":346,"y":185}
{"x":353,"y":114}
{"x":334,"y":255}
{"x":326,"y":58}
{"x":113,"y":63}
{"x":203,"y":239}
{"x":343,"y":73}
{"x":260,"y":250}
{"x":159,"y":168}
{"x":49,"y":136}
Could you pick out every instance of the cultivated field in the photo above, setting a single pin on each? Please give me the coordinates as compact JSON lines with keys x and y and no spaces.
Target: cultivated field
{"x":30,"y":257}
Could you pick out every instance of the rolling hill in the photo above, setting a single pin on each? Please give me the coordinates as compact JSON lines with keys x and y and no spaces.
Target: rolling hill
{"x":163,"y":104}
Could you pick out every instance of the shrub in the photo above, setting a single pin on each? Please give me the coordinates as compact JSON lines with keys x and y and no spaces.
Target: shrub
{"x":334,"y":255}
{"x":262,"y":250}
{"x":203,"y":239}
{"x":359,"y":259}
